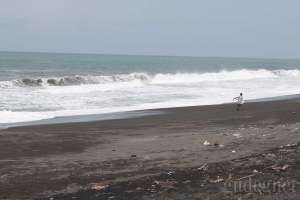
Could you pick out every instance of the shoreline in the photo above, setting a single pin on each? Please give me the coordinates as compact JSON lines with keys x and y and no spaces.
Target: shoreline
{"x":71,"y":159}
{"x":128,"y":114}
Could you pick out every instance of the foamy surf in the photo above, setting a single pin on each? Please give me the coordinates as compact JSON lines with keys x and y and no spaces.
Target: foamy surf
{"x":39,"y":98}
{"x":168,"y":78}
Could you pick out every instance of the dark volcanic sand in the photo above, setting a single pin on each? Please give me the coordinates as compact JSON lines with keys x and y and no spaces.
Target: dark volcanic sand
{"x":158,"y":157}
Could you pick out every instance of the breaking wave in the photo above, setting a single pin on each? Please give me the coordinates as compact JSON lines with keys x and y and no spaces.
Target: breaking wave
{"x":160,"y":78}
{"x":75,"y":80}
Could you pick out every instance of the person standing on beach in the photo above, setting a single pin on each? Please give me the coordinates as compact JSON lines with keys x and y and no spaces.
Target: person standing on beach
{"x":240,"y":101}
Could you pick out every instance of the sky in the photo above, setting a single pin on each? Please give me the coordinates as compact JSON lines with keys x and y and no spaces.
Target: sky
{"x":221,"y":28}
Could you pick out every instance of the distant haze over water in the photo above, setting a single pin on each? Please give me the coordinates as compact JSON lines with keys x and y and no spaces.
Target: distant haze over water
{"x":37,"y":86}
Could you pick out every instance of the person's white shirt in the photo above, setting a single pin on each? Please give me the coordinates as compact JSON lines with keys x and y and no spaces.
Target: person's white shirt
{"x":239,"y":99}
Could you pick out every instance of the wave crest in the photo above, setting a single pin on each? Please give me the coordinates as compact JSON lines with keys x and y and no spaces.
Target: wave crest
{"x":167,"y":78}
{"x":75,"y":80}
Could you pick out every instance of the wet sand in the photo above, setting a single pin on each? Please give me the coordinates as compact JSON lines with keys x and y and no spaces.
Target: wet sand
{"x":157,"y":157}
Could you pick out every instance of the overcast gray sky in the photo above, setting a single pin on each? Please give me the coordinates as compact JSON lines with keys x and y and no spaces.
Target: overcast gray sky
{"x":235,"y":28}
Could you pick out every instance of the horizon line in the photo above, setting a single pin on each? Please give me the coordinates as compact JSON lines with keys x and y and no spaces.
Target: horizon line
{"x":150,"y":55}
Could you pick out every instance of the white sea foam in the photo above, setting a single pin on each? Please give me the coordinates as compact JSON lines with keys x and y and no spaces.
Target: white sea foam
{"x":43,"y":98}
{"x":219,"y":76}
{"x":169,"y":78}
{"x":8,"y":116}
{"x":146,"y":78}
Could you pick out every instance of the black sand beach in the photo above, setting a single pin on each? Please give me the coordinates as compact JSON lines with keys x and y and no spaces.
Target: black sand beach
{"x":159,"y":156}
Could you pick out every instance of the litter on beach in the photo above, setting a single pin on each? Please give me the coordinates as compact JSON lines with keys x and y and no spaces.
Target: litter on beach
{"x":218,"y":180}
{"x":280,"y":168}
{"x":99,"y":186}
{"x":203,"y":167}
{"x":218,"y":145}
{"x":206,"y":143}
{"x":237,"y":135}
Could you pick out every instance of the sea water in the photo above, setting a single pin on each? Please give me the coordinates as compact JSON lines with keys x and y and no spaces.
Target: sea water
{"x":36,"y":86}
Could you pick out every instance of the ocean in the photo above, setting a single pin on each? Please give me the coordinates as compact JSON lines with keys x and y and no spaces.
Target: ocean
{"x":37,"y":86}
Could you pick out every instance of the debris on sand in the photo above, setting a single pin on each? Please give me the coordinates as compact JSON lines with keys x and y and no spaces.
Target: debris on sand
{"x":216,"y":144}
{"x":245,"y":177}
{"x":285,"y":167}
{"x":237,"y":135}
{"x":170,"y":173}
{"x":133,"y":156}
{"x":233,"y":151}
{"x":270,"y":155}
{"x":203,"y":167}
{"x":229,"y":177}
{"x":99,"y":186}
{"x":206,"y":143}
{"x":156,"y":182}
{"x":280,"y":168}
{"x":165,"y":184}
{"x":218,"y":180}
